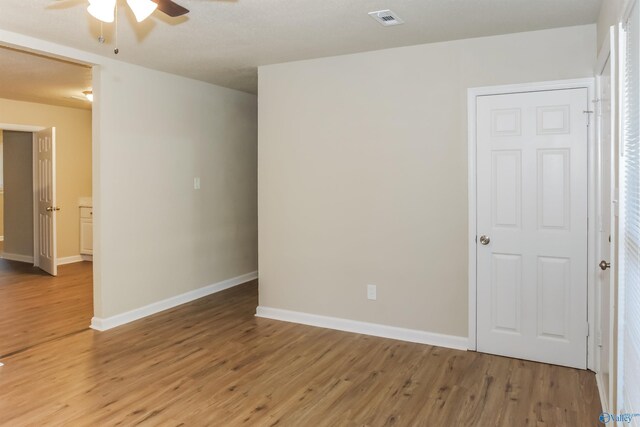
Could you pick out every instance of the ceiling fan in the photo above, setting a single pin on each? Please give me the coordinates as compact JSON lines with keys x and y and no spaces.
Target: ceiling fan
{"x":104,"y":10}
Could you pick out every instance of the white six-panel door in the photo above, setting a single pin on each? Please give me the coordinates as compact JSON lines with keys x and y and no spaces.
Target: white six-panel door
{"x":532,"y":226}
{"x":46,"y":194}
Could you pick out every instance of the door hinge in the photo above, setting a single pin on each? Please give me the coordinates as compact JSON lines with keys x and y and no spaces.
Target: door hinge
{"x":598,"y":104}
{"x":587,"y":332}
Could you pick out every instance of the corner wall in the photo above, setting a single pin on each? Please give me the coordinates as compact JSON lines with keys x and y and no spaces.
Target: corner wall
{"x":363,"y":173}
{"x":157,"y":237}
{"x":610,"y":12}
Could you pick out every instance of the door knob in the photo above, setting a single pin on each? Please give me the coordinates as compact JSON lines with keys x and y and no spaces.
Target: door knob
{"x":484,"y":240}
{"x":604,"y":265}
{"x":53,"y":208}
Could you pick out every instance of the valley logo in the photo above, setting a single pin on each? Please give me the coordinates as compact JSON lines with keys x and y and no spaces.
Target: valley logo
{"x":606,"y":417}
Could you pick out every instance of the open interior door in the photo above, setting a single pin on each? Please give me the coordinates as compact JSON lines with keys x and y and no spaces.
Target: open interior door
{"x":46,"y":196}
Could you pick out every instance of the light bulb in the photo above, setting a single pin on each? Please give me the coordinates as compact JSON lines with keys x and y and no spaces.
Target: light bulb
{"x":103,"y":10}
{"x":142,"y":8}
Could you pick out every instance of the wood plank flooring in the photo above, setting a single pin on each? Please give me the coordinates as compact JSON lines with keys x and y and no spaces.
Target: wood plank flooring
{"x":36,"y":307}
{"x":212,"y":363}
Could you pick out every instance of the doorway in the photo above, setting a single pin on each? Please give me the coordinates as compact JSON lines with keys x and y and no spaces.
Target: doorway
{"x":28,"y":204}
{"x":529,"y":177}
{"x":17,"y":200}
{"x":36,"y":307}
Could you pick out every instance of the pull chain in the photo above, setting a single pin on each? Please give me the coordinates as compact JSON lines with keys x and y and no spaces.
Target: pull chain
{"x":116,"y":50}
{"x":101,"y":37}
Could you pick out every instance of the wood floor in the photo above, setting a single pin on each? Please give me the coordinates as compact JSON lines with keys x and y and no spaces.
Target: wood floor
{"x":36,"y":307}
{"x":212,"y":363}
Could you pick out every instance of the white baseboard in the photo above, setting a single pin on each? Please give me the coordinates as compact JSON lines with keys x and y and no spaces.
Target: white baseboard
{"x":29,"y":259}
{"x":17,"y":257}
{"x":604,"y":399}
{"x":86,"y":257}
{"x":103,"y":324}
{"x":69,"y":259}
{"x":377,"y":330}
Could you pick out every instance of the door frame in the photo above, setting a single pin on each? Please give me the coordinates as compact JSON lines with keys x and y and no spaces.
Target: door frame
{"x":606,"y":54}
{"x":472,"y":94}
{"x":95,"y":61}
{"x":34,"y":166}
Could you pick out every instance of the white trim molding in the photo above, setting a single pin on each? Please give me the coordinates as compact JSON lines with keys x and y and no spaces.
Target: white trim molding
{"x":602,"y":390}
{"x":103,"y":324}
{"x":69,"y":259}
{"x":17,"y":257}
{"x":472,"y":94}
{"x":21,"y":128}
{"x":365,"y":328}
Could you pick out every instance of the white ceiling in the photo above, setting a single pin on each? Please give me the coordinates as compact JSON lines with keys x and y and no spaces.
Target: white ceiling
{"x":223,"y":41}
{"x":34,"y":78}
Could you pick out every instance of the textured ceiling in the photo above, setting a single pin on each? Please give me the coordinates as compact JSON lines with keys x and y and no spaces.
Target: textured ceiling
{"x":223,"y":41}
{"x":34,"y":78}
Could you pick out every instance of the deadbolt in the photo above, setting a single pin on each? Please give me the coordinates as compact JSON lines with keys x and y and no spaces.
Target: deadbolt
{"x":484,"y":240}
{"x":604,"y":265}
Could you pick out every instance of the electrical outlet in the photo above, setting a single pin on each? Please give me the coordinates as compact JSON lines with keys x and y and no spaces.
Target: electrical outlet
{"x":372,"y":292}
{"x":196,"y":183}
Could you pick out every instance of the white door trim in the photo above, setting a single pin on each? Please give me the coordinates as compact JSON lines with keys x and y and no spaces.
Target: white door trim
{"x":472,"y":94}
{"x":606,"y":54}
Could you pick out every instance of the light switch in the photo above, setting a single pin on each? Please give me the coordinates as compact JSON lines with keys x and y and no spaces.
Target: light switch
{"x":372,"y":292}
{"x":196,"y":183}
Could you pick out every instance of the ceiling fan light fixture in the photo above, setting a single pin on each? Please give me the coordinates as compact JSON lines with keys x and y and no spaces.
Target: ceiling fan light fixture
{"x":142,"y":8}
{"x":103,"y":10}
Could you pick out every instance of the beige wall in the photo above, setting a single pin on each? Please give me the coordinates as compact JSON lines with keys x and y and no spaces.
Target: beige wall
{"x":18,"y":194}
{"x":73,"y":160}
{"x":363,"y":173}
{"x":610,"y":13}
{"x":155,"y":236}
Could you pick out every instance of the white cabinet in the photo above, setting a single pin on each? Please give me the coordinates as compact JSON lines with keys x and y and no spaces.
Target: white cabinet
{"x":86,"y":230}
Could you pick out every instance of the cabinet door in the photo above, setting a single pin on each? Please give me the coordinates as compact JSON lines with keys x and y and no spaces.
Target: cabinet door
{"x":86,"y":236}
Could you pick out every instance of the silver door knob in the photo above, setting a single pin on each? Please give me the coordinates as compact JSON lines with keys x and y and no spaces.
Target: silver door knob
{"x":604,"y":265}
{"x":53,"y":208}
{"x":484,"y":240}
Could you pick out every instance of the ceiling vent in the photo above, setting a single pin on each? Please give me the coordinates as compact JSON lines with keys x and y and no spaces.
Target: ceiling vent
{"x":386,"y":17}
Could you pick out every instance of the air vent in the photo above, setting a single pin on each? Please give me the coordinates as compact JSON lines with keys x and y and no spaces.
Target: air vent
{"x":386,"y":17}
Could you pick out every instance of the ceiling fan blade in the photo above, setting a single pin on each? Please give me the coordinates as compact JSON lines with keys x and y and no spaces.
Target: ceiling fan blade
{"x":170,"y":8}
